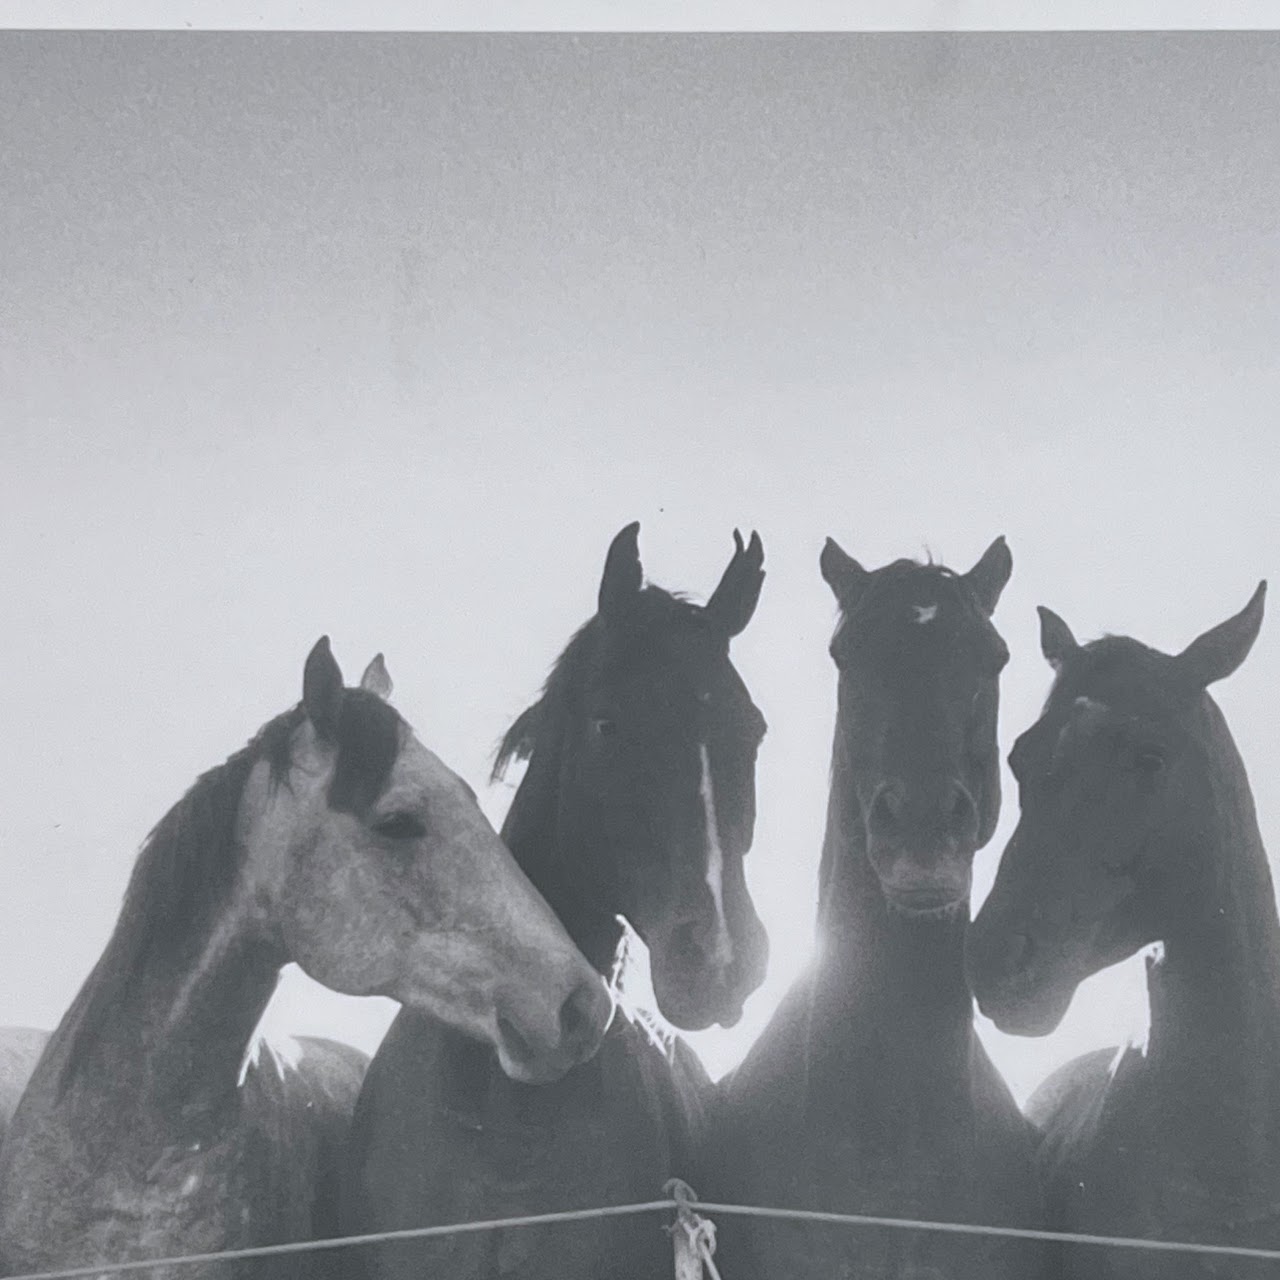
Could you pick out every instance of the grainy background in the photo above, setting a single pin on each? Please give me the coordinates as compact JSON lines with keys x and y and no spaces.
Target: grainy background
{"x":385,"y":336}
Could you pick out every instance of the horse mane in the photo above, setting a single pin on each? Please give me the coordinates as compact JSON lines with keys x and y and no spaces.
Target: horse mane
{"x":191,"y":858}
{"x":653,"y":607}
{"x":183,"y":872}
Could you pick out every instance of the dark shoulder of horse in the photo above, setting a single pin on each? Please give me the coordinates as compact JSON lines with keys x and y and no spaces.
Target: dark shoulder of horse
{"x":638,"y":802}
{"x":155,"y":1122}
{"x":1137,"y":827}
{"x":869,"y":1092}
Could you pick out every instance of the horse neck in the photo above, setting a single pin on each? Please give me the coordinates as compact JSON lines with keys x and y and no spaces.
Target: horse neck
{"x":156,"y":1042}
{"x":532,"y":831}
{"x":879,"y":965}
{"x":1215,"y":994}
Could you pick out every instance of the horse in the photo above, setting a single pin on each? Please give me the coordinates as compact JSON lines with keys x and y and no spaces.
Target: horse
{"x":20,"y":1050}
{"x":869,"y":1092}
{"x":1137,"y":830}
{"x":156,"y":1123}
{"x":636,"y":809}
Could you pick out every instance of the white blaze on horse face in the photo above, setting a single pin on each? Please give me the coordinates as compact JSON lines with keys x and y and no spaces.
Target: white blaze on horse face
{"x":722,"y":956}
{"x":925,"y":613}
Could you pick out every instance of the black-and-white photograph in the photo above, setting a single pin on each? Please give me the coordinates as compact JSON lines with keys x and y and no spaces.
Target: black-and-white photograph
{"x":639,"y":654}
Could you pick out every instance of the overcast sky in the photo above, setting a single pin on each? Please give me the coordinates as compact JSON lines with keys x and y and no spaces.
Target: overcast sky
{"x":385,"y":337}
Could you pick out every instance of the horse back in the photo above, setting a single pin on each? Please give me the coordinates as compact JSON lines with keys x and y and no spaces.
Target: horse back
{"x":1107,"y":1170}
{"x":330,"y":1085}
{"x":141,"y":1184}
{"x":442,"y":1136}
{"x":297,"y":1108}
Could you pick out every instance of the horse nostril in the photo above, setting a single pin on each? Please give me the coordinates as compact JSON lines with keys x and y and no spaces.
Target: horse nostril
{"x":961,"y":813}
{"x":1016,"y":954}
{"x":511,"y":1036}
{"x":686,"y":948}
{"x":580,"y":1016}
{"x":886,"y":810}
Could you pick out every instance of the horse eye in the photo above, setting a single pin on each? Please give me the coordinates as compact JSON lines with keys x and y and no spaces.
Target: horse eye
{"x":400,"y":826}
{"x":604,"y":728}
{"x":1148,"y":760}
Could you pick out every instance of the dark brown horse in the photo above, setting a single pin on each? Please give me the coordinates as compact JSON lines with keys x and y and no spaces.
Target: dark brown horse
{"x":869,"y":1091}
{"x":155,"y":1123}
{"x":1138,"y":827}
{"x":639,"y":803}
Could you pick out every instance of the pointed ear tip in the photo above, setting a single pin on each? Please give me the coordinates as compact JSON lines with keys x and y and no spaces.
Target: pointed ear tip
{"x":629,"y":533}
{"x":1048,"y":618}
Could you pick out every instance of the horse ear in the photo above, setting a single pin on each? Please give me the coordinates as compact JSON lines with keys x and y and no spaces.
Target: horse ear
{"x":1056,"y":641}
{"x":376,"y":678}
{"x":988,"y":577}
{"x":842,"y":573}
{"x":622,"y":573}
{"x":735,"y":598}
{"x":322,"y":688}
{"x":1217,"y":653}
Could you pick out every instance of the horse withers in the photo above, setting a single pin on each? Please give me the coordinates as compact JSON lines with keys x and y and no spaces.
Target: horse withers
{"x":155,"y":1123}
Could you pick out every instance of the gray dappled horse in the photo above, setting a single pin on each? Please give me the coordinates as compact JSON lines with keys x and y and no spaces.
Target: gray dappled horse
{"x":152,"y":1125}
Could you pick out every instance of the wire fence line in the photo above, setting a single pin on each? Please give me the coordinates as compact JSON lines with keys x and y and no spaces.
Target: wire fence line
{"x":351,"y":1242}
{"x":690,"y":1214}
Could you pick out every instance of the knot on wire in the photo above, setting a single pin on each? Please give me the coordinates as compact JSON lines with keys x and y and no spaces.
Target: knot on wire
{"x":693,"y":1235}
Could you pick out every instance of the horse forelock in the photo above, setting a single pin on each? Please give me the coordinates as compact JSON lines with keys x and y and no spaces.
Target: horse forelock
{"x":926,"y":604}
{"x":370,"y":735}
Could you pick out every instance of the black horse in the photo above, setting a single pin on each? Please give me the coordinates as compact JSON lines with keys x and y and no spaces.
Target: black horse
{"x":639,"y":803}
{"x":869,"y":1091}
{"x":1138,"y":827}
